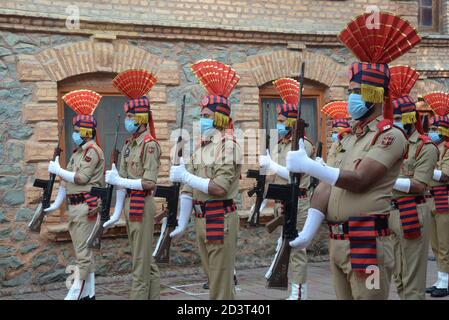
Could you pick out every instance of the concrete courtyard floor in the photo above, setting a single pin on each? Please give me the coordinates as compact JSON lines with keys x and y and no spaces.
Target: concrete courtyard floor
{"x":251,"y":286}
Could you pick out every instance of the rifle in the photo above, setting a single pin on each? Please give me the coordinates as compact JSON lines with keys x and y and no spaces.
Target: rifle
{"x":47,"y":186}
{"x":105,"y":194}
{"x":314,"y":181}
{"x":259,"y":189}
{"x":278,"y":278}
{"x":161,"y":253}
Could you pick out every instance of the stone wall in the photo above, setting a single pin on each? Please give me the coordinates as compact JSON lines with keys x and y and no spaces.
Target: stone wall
{"x":34,"y":64}
{"x":274,"y":16}
{"x":32,"y":68}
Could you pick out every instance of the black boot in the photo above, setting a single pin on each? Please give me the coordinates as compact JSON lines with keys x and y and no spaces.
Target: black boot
{"x":206,"y":286}
{"x":235,"y":280}
{"x":439,"y":293}
{"x":431,"y":289}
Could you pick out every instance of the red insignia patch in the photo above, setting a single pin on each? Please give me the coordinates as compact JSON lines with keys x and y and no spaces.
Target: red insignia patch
{"x":205,"y":101}
{"x":151,"y":149}
{"x":88,"y":159}
{"x":387,"y":141}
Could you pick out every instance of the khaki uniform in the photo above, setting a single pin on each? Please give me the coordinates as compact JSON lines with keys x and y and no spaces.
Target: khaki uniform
{"x":298,"y":258}
{"x":220,"y":161}
{"x":411,"y":254}
{"x":336,"y":153}
{"x":389,"y":148}
{"x":89,"y":166}
{"x":141,"y":160}
{"x":439,"y":225}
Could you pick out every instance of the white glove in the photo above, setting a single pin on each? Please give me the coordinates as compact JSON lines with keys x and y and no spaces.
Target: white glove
{"x":437,"y":175}
{"x":185,"y":210}
{"x":55,"y":168}
{"x":113,"y":178}
{"x":180,"y":174}
{"x":402,"y":184}
{"x":299,"y":161}
{"x":269,"y":166}
{"x":320,"y":161}
{"x":120,"y":195}
{"x":311,"y":227}
{"x":58,"y":201}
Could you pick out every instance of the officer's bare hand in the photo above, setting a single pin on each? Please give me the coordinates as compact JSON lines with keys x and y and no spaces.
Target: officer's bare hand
{"x":149,"y":186}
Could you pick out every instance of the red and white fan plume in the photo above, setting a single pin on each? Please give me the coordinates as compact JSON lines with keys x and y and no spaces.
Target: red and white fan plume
{"x":216,"y":77}
{"x":439,"y":102}
{"x":379,"y":43}
{"x":288,"y":90}
{"x":402,"y":80}
{"x":134,"y":83}
{"x":83,"y":102}
{"x":336,"y":110}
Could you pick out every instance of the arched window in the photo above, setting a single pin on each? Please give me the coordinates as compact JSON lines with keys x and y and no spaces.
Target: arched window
{"x":428,"y":15}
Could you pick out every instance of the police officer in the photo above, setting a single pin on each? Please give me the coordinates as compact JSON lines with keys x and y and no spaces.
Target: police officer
{"x":211,"y":182}
{"x":410,"y":219}
{"x":338,"y":112}
{"x":136,"y":181}
{"x":84,"y":170}
{"x":287,"y":113}
{"x":439,"y":235}
{"x":355,"y":198}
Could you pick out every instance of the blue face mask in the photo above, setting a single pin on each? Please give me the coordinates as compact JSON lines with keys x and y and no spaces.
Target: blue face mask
{"x":434,"y":136}
{"x":399,"y":124}
{"x":206,"y":124}
{"x":334,"y":137}
{"x":282,"y":131}
{"x":130,"y":125}
{"x":77,"y":138}
{"x":356,"y":106}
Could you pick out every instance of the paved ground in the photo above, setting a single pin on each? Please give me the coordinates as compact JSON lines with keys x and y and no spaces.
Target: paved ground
{"x":251,"y":287}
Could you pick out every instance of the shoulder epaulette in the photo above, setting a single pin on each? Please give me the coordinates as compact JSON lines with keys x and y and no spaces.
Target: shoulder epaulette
{"x":426,"y":140}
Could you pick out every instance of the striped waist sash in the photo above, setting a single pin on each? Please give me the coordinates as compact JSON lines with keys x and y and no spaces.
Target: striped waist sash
{"x":84,"y":197}
{"x":361,"y":233}
{"x":136,"y":204}
{"x":408,"y":214}
{"x":440,"y":196}
{"x":214,"y":211}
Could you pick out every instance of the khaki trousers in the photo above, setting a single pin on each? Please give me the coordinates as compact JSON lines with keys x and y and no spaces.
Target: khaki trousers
{"x":145,"y":272}
{"x":411,"y":256}
{"x":298,"y":258}
{"x":348,"y":285}
{"x":439,"y":238}
{"x":79,"y":229}
{"x":218,"y":260}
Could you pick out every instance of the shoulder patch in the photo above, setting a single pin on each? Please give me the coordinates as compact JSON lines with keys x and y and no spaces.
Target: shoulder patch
{"x":387,"y":141}
{"x":87,"y":158}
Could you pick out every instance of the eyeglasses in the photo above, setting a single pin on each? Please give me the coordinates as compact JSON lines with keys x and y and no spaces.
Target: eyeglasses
{"x":354,"y":90}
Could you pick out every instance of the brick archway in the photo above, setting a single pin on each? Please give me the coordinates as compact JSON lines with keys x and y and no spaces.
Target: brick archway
{"x":50,"y":66}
